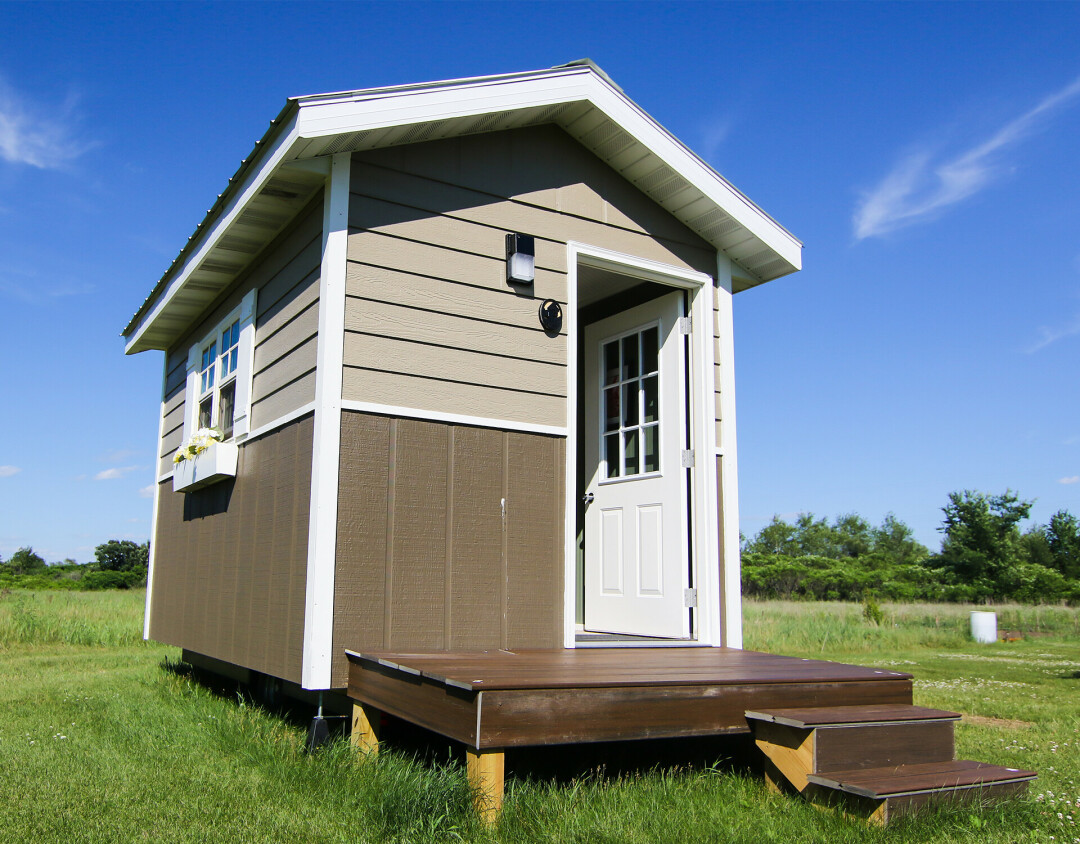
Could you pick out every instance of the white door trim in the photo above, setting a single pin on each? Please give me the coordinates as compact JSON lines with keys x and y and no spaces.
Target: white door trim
{"x":703,"y":506}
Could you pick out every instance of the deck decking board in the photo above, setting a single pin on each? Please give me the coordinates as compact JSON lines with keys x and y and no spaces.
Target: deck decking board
{"x":513,"y":699}
{"x":596,"y":667}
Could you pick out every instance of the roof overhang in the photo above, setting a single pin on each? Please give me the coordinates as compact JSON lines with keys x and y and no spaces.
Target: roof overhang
{"x":289,"y":165}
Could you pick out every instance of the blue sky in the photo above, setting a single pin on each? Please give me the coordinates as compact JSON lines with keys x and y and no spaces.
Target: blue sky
{"x":926,"y":154}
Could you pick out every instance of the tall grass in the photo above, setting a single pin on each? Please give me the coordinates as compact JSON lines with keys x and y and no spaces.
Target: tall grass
{"x":107,"y":619}
{"x":798,"y":627}
{"x":100,"y":744}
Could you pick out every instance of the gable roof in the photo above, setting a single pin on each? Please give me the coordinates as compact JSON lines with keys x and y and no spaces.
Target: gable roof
{"x":289,"y":165}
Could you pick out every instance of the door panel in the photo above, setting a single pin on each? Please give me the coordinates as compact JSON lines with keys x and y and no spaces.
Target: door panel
{"x":635,"y":525}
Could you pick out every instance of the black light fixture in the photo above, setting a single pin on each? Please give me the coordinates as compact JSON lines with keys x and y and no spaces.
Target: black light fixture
{"x":520,"y":258}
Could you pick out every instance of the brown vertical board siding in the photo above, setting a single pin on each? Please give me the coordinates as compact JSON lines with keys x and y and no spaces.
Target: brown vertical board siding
{"x":477,"y":536}
{"x":229,"y":558}
{"x":419,"y":537}
{"x":534,"y":541}
{"x":424,"y":553}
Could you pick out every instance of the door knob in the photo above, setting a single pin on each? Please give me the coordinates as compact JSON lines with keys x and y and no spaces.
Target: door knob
{"x":588,"y":497}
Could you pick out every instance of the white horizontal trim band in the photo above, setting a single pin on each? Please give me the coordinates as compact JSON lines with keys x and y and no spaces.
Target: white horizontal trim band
{"x":454,"y":418}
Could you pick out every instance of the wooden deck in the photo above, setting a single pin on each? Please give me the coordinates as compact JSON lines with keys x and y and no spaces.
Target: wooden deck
{"x":499,"y":699}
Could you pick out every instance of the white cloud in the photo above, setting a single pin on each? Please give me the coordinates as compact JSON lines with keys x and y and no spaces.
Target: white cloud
{"x":918,"y":187}
{"x":147,"y":491}
{"x":38,"y":134}
{"x":8,"y":471}
{"x":114,"y":473}
{"x":1052,"y":335}
{"x":1072,"y":479}
{"x":713,"y":136}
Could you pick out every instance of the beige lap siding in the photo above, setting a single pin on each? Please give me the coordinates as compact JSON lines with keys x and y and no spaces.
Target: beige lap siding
{"x":286,"y":275}
{"x":431,"y":323}
{"x":230,"y":561}
{"x":449,"y":537}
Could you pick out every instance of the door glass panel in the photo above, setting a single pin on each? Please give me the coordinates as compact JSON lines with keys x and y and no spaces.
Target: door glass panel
{"x":611,"y":455}
{"x":611,"y":363}
{"x":631,"y":461}
{"x":631,"y":402}
{"x":630,"y":356}
{"x":650,"y":339}
{"x":650,"y":388}
{"x":652,"y":448}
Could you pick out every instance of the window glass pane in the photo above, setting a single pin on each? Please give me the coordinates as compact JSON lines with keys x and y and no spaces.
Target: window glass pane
{"x":611,"y":409}
{"x":232,"y":360}
{"x":649,"y":348}
{"x":205,"y":408}
{"x":611,"y":363}
{"x":630,"y":404}
{"x":651,"y":388}
{"x":652,"y":448}
{"x":205,"y":359}
{"x":225,"y":409}
{"x":611,"y":454}
{"x":630,"y":357}
{"x":631,"y":454}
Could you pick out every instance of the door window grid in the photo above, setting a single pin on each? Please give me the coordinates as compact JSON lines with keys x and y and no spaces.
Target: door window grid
{"x":630,"y":398}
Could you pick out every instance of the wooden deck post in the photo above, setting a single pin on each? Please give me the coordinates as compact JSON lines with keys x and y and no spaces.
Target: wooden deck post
{"x":365,"y":728}
{"x":485,"y":770}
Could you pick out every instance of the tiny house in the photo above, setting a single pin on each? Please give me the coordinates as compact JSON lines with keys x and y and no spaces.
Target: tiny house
{"x":467,"y":348}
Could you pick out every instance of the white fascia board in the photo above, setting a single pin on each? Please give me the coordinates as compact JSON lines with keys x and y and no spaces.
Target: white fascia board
{"x":640,"y":125}
{"x":318,"y":118}
{"x":277,"y":152}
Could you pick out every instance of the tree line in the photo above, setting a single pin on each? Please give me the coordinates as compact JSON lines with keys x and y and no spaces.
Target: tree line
{"x":985,"y":556}
{"x":118,"y":564}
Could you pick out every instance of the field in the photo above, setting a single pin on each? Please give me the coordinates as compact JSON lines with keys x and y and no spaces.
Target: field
{"x":104,"y":738}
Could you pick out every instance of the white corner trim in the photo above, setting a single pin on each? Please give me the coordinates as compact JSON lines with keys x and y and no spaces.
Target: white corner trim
{"x":322,"y":524}
{"x":157,"y":497}
{"x":452,"y":418}
{"x":732,"y":633}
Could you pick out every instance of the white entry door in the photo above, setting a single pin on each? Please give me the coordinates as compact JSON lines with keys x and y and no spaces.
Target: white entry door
{"x":636,"y":557}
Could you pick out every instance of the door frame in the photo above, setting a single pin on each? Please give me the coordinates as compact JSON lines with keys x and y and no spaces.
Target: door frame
{"x":703,"y":504}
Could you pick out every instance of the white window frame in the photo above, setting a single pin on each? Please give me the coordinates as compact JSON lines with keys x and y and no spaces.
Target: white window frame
{"x":244,"y":314}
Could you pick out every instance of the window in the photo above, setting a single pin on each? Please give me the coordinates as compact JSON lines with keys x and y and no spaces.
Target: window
{"x":217,"y":380}
{"x":219,"y":375}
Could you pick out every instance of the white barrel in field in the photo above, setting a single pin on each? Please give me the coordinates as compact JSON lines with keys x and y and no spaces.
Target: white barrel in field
{"x":984,"y":626}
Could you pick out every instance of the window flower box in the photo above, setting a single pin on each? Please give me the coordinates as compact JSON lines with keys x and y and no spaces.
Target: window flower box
{"x":216,"y":463}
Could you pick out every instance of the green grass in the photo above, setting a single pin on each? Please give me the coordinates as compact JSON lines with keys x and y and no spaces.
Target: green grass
{"x":101,"y":741}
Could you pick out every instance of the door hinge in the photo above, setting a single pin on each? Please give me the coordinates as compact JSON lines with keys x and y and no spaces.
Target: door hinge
{"x":686,"y":325}
{"x":688,"y":458}
{"x":690,"y":598}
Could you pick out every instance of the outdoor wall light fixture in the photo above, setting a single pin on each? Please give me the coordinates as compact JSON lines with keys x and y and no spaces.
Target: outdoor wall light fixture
{"x":520,"y":258}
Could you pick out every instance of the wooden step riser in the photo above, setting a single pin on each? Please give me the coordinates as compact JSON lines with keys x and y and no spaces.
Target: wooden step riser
{"x":849,"y":748}
{"x":797,"y":752}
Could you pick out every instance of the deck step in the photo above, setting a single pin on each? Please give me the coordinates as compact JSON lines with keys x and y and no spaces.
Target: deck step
{"x":851,"y":716}
{"x":907,"y":780}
